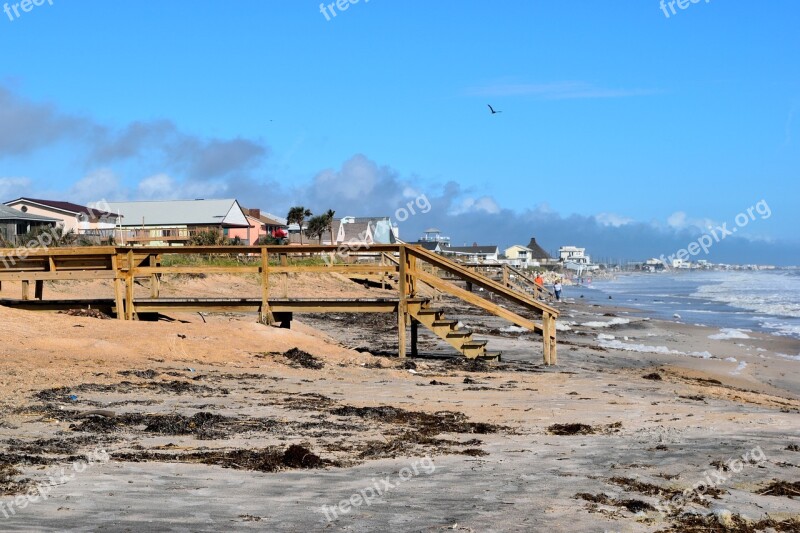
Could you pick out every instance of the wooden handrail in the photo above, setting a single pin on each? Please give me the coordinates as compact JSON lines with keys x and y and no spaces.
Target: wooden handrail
{"x":480,"y":280}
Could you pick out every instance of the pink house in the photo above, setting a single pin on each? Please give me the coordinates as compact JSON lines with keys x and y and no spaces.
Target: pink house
{"x":260,"y":226}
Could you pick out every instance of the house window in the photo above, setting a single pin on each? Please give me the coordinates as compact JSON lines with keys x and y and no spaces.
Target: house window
{"x":24,"y":208}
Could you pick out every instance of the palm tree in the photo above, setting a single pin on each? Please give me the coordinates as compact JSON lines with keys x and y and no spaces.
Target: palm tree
{"x":329,"y":223}
{"x":317,"y":226}
{"x":297,"y":215}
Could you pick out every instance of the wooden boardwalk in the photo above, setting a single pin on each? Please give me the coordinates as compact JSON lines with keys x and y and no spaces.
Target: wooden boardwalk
{"x":408,"y":266}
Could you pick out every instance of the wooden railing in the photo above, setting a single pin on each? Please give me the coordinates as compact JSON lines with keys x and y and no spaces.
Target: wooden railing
{"x":411,"y":264}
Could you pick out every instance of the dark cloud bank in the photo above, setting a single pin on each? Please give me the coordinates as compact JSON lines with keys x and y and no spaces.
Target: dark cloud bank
{"x":360,"y":187}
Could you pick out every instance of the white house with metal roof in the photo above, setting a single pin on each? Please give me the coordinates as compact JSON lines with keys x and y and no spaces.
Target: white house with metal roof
{"x":168,"y":222}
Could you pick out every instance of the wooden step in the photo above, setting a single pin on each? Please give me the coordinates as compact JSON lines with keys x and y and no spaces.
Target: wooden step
{"x":442,"y":323}
{"x":491,"y":356}
{"x":430,"y":311}
{"x":475,"y":344}
{"x":460,"y":334}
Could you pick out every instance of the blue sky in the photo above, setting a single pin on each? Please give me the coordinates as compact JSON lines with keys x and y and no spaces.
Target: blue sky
{"x":622,"y":130}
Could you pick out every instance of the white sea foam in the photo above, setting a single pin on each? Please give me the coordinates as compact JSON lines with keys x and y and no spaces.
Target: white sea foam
{"x":644,"y":348}
{"x":612,"y":322}
{"x":604,"y":337}
{"x":792,"y":357}
{"x":742,"y":366}
{"x":513,"y":329}
{"x":564,"y":326}
{"x":730,"y":333}
{"x":765,"y":293}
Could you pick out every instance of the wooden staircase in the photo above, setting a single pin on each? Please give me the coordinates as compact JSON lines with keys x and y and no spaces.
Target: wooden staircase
{"x":461,"y":339}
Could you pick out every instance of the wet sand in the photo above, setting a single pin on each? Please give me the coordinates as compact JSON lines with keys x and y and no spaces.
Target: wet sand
{"x":220,"y":425}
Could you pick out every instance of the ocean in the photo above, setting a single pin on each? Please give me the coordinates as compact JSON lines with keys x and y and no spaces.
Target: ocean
{"x":765,"y":300}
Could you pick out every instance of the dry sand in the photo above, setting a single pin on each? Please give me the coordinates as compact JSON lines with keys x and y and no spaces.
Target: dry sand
{"x":206,"y":409}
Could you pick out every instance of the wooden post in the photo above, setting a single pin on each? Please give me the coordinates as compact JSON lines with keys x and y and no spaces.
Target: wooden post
{"x":411,"y":270}
{"x":402,"y":304}
{"x":25,"y":291}
{"x":265,"y":317}
{"x":284,"y":258}
{"x":383,"y":274}
{"x":129,"y":311}
{"x":414,"y":334}
{"x":155,"y":282}
{"x":546,"y":337}
{"x":553,"y":341}
{"x":119,"y":298}
{"x":38,"y":291}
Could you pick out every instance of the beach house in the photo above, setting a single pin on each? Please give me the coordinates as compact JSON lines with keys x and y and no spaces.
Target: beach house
{"x":176,"y":222}
{"x":83,"y":220}
{"x":363,"y":230}
{"x":14,"y":224}
{"x":259,"y":225}
{"x":474,"y":254}
{"x":519,"y":256}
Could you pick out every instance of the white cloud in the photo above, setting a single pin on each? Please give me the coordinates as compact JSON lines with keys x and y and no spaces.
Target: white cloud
{"x":13,"y":187}
{"x":99,"y":185}
{"x":484,"y":204}
{"x":679,"y":220}
{"x":165,"y":187}
{"x":612,"y":219}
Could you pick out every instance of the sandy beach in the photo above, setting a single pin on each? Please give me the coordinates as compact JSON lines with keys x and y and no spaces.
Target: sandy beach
{"x":218,"y":423}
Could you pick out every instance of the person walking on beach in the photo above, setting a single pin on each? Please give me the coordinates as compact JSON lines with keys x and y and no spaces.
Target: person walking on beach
{"x":557,"y":290}
{"x":539,"y":281}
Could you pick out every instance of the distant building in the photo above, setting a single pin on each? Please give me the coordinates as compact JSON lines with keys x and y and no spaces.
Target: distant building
{"x":537,"y":253}
{"x":573,"y":254}
{"x":259,"y":225}
{"x":431,"y":246}
{"x":80,"y":219}
{"x":175,"y":222}
{"x":14,"y":224}
{"x":474,"y":253}
{"x":653,"y":265}
{"x":575,"y":258}
{"x":519,"y":256}
{"x":435,"y":235}
{"x":363,"y":231}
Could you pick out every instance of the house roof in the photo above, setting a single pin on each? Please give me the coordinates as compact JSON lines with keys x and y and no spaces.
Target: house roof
{"x":225,"y":212}
{"x":9,"y":213}
{"x":279,"y":221}
{"x":354,"y":231}
{"x":270,"y":221}
{"x":265,"y":218}
{"x":490,"y":249}
{"x":67,"y":207}
{"x":356,"y":228}
{"x":428,"y":245}
{"x":537,"y":252}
